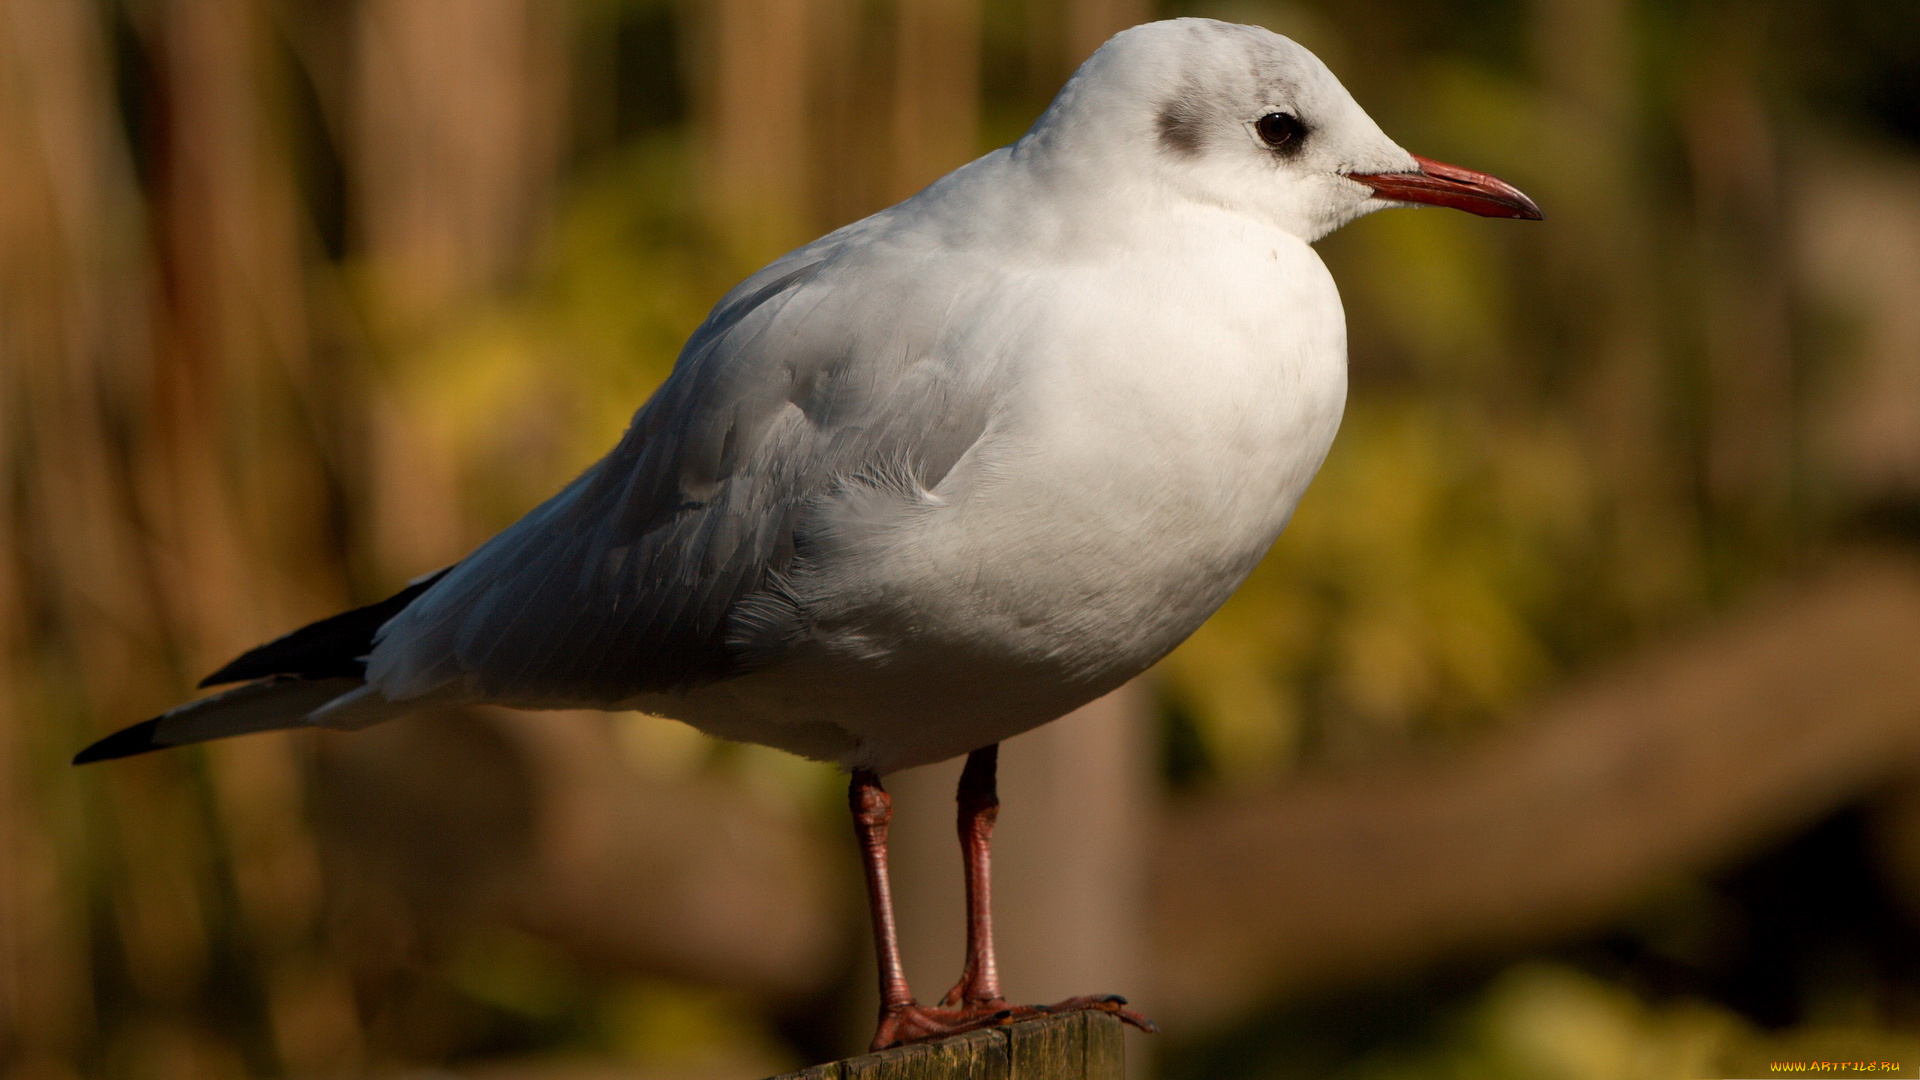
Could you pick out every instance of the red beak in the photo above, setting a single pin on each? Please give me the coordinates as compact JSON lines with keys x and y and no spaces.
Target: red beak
{"x":1440,"y":184}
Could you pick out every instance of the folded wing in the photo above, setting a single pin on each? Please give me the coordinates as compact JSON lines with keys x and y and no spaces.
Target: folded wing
{"x":653,"y":570}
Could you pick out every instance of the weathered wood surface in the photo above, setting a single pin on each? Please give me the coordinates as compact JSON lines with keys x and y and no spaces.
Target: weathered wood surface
{"x":1076,"y":1046}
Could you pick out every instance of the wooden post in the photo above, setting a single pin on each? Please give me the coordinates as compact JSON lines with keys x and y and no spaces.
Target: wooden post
{"x":1076,"y":1046}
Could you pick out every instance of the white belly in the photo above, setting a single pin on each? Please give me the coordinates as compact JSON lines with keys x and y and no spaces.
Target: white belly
{"x":1151,"y":460}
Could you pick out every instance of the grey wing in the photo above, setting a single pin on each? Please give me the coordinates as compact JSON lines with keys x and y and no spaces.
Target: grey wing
{"x":660,"y":567}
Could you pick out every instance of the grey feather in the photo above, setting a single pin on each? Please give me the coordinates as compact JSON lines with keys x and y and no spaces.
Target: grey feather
{"x":267,"y":705}
{"x":665,"y":565}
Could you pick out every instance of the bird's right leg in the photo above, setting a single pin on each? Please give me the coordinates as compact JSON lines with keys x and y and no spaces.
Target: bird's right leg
{"x":872,"y":810}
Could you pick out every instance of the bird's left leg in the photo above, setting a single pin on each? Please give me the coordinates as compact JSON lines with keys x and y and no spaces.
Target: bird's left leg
{"x":978,"y":991}
{"x":872,"y":812}
{"x":978,"y":801}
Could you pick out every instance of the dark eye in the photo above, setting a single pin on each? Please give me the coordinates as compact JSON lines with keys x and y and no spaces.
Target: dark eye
{"x":1279,"y":129}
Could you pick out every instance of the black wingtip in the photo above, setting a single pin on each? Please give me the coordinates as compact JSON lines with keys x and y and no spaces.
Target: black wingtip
{"x":331,"y":648}
{"x":126,"y":742}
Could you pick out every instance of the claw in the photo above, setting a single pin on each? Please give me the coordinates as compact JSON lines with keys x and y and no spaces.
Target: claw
{"x":1108,"y":1003}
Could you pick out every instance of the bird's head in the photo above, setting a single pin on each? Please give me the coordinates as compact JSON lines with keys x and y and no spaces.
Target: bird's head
{"x":1243,"y":118}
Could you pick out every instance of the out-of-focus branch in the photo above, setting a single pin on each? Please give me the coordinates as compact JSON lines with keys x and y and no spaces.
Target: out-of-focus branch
{"x":537,"y":819}
{"x":695,"y":877}
{"x":1671,"y":765}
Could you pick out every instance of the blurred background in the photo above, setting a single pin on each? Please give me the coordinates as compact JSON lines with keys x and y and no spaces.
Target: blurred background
{"x":1572,"y":731}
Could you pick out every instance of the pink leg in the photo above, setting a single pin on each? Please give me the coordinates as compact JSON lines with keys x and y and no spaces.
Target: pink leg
{"x":979,"y":806}
{"x":872,"y":811}
{"x":975,"y":1002}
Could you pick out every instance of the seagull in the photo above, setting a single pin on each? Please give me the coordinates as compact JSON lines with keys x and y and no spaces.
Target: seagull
{"x":938,"y":477}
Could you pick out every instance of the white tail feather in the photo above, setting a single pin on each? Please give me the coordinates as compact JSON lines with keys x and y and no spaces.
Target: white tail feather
{"x":269,"y":705}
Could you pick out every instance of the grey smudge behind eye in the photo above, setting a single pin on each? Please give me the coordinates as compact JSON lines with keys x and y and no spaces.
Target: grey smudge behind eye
{"x":1181,"y":131}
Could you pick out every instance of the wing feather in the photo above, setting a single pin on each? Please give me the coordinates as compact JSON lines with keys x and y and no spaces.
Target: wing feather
{"x":663,"y":566}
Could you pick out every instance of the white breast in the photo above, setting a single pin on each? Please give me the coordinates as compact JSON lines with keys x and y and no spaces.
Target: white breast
{"x":1167,"y":433}
{"x":1171,"y":408}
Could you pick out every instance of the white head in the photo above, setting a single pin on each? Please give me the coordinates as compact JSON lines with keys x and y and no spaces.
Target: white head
{"x":1243,"y":118}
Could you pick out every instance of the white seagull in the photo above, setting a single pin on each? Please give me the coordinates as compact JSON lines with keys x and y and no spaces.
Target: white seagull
{"x":938,"y":477}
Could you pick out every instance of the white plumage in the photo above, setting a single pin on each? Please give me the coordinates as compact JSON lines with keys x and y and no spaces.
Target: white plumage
{"x":953,"y":470}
